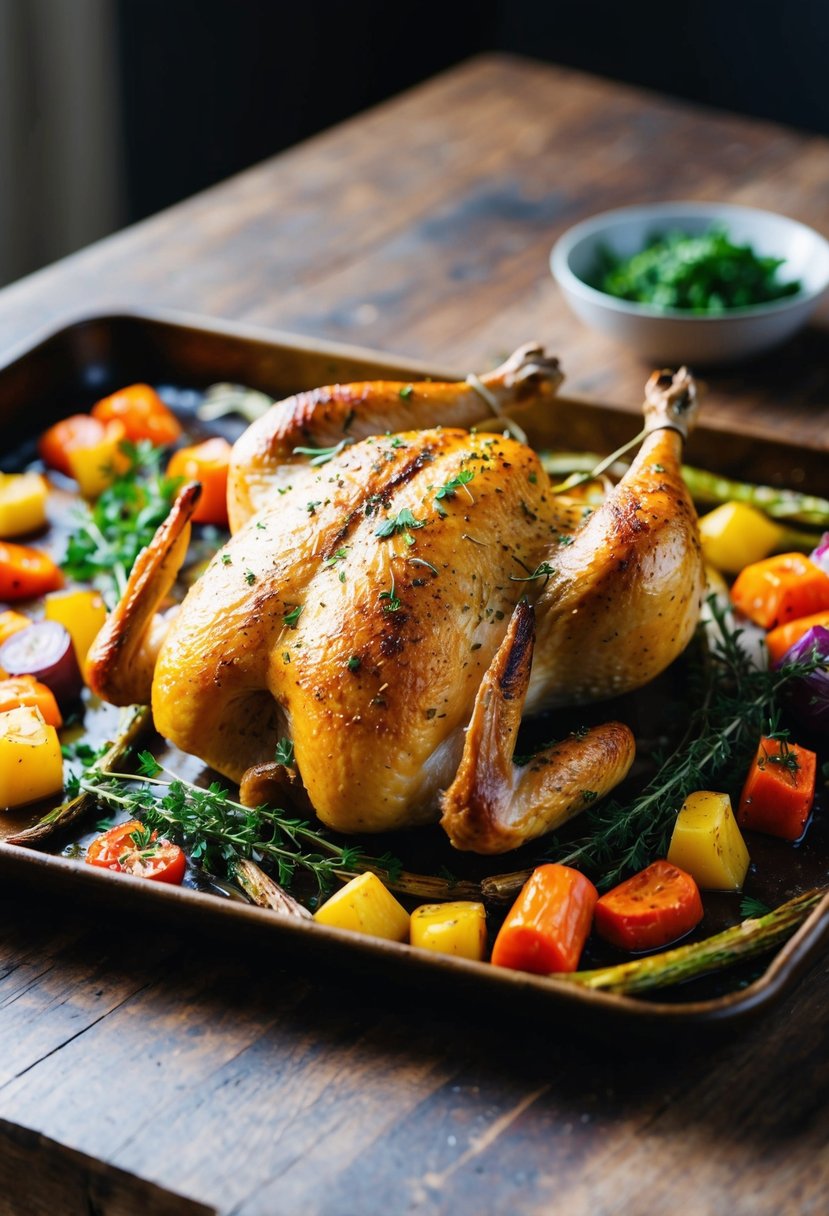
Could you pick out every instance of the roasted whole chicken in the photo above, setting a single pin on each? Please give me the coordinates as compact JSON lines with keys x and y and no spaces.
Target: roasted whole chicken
{"x":397,"y":591}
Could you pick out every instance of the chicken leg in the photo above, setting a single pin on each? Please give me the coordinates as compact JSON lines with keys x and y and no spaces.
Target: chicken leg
{"x":494,"y":804}
{"x":265,"y":459}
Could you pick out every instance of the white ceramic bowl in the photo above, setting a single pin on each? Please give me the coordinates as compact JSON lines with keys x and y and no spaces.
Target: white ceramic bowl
{"x":674,"y":336}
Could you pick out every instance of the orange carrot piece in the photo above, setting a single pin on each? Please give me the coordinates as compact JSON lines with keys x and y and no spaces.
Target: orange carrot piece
{"x":781,"y":589}
{"x":26,"y":572}
{"x":649,"y":910}
{"x":143,"y":414}
{"x":779,"y":790}
{"x":77,"y":431}
{"x":27,"y":691}
{"x":12,"y":622}
{"x":780,"y":640}
{"x":548,"y":924}
{"x":206,"y":463}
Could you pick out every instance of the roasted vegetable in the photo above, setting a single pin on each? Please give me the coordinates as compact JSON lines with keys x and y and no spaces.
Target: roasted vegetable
{"x":365,"y":906}
{"x":142,"y":414}
{"x":779,"y":790}
{"x":12,"y":622}
{"x":44,"y":651}
{"x":130,"y":848}
{"x":783,"y":638}
{"x":81,"y":612}
{"x":22,"y":503}
{"x":781,"y":589}
{"x":457,"y":928}
{"x":649,"y":910}
{"x":96,"y":466}
{"x":707,"y":842}
{"x":31,"y":764}
{"x":808,"y":695}
{"x":547,"y":926}
{"x":25,"y":572}
{"x":26,"y":690}
{"x":735,"y":534}
{"x":206,"y":463}
{"x":77,"y":431}
{"x":753,"y":936}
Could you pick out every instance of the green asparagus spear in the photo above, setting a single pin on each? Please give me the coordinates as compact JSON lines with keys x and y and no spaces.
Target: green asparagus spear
{"x":751,"y":937}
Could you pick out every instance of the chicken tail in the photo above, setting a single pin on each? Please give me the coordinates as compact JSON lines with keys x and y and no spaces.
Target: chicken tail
{"x":120,"y":664}
{"x":493,"y":804}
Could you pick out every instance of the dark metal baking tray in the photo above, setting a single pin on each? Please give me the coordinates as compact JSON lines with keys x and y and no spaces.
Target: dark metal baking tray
{"x":67,"y":370}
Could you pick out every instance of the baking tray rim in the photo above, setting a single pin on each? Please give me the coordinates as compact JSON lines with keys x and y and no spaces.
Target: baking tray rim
{"x":18,"y":862}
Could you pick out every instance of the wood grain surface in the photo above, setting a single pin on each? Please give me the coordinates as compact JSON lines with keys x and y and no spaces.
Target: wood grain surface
{"x":150,"y":1073}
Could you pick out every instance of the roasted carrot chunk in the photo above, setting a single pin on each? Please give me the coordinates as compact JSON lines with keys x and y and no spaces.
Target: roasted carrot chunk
{"x":26,"y":690}
{"x":206,"y":463}
{"x":26,"y":572}
{"x":779,"y":790}
{"x":652,"y":908}
{"x":781,"y":589}
{"x":781,"y":639}
{"x":142,"y":413}
{"x":548,"y":924}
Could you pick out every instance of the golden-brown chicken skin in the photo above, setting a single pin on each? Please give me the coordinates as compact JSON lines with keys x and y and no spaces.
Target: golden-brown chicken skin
{"x":392,"y":610}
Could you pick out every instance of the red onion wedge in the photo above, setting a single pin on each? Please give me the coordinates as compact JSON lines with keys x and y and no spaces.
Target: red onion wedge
{"x":44,"y":650}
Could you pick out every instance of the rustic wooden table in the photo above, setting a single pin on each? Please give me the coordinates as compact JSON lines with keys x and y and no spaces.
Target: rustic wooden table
{"x":144,"y":1072}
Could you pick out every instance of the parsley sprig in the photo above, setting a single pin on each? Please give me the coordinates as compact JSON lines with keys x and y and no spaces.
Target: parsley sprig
{"x":111,"y":533}
{"x":403,"y":522}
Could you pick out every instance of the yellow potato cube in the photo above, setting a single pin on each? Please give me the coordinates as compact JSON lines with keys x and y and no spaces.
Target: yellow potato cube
{"x":96,"y":467}
{"x":365,"y":906}
{"x":31,"y":764}
{"x":708,"y":844}
{"x":22,"y":503}
{"x":454,"y":928}
{"x":734,"y":535}
{"x":82,"y":613}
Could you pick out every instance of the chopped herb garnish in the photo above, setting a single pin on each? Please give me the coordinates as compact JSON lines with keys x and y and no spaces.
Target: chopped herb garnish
{"x":354,"y":663}
{"x":751,"y":908}
{"x":320,"y":456}
{"x":250,"y":578}
{"x":544,"y":570}
{"x":392,"y":603}
{"x":290,"y":618}
{"x":402,"y":522}
{"x":406,"y":392}
{"x":227,"y":560}
{"x":284,"y":753}
{"x":450,"y":488}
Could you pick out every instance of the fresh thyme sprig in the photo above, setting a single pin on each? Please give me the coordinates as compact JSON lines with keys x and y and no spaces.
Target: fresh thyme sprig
{"x":217,"y":831}
{"x":737,"y":702}
{"x":111,"y":533}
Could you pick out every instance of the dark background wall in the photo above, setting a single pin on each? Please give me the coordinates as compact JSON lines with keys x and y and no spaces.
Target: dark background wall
{"x":198,"y":89}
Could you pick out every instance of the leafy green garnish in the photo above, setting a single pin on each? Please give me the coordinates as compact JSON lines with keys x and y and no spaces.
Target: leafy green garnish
{"x":112,"y":532}
{"x":708,"y":273}
{"x":403,"y":521}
